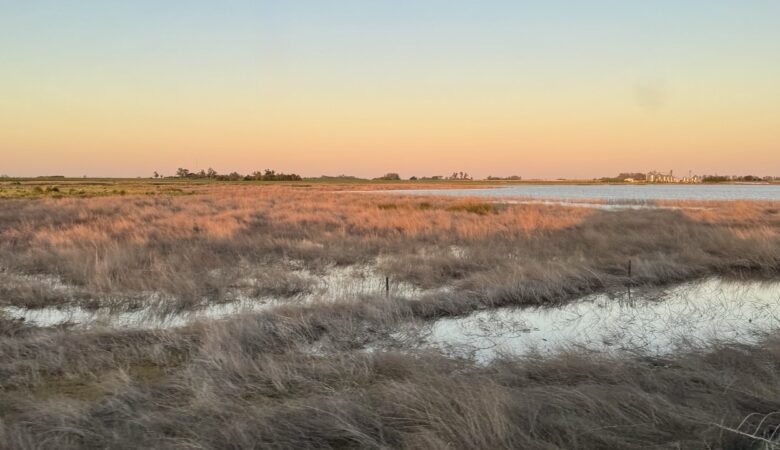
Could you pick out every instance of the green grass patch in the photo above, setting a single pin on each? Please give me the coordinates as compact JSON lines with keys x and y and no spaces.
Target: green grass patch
{"x":481,"y":209}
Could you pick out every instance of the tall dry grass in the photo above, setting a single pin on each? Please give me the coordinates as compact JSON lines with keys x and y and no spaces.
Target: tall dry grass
{"x":257,"y":382}
{"x":194,"y":249}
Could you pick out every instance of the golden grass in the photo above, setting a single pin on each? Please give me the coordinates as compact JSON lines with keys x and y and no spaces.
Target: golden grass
{"x":222,"y":212}
{"x":195,"y":246}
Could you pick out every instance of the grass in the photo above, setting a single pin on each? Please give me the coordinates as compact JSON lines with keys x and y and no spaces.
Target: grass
{"x":474,"y":208}
{"x":205,"y":247}
{"x":300,"y":375}
{"x":59,"y":187}
{"x":251,"y":383}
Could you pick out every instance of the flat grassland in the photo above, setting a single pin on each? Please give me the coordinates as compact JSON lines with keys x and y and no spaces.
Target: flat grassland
{"x":308,"y":370}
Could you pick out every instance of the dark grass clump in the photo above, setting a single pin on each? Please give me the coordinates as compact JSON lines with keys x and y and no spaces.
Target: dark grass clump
{"x":481,"y":209}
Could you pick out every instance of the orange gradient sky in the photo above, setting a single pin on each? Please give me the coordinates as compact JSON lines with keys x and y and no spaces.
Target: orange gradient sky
{"x":497,"y":87}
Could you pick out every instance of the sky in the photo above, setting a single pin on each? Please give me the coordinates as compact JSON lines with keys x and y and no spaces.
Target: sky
{"x":542,"y":89}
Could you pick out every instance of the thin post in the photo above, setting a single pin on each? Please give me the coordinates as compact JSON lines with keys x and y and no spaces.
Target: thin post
{"x":629,"y":280}
{"x":387,"y":287}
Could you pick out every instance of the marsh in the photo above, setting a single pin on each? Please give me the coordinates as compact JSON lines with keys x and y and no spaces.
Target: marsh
{"x":290,"y":317}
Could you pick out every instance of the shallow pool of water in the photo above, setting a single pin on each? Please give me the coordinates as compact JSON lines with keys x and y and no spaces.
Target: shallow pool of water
{"x":335,"y":284}
{"x":687,"y":316}
{"x":144,"y":318}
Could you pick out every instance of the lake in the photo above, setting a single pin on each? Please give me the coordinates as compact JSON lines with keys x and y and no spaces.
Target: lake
{"x":619,"y":192}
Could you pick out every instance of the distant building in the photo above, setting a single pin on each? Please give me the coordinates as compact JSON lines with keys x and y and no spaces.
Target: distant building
{"x":658,"y":177}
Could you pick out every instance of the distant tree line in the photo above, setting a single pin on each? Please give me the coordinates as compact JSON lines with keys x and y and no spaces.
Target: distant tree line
{"x":272,"y":175}
{"x":509,"y":178}
{"x":729,"y":178}
{"x":715,"y":179}
{"x":341,"y":177}
{"x":211,"y":174}
{"x":636,"y":176}
{"x":391,"y":176}
{"x":431,"y":178}
{"x":461,"y":176}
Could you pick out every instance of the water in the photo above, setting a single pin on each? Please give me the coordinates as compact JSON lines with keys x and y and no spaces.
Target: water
{"x":621,"y":192}
{"x":691,"y":315}
{"x":335,"y":284}
{"x":144,"y":318}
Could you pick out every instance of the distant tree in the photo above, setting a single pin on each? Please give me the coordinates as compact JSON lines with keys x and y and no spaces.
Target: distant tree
{"x":182,"y":173}
{"x":638,"y":176}
{"x":156,"y":175}
{"x":413,"y":178}
{"x":392,"y":176}
{"x":211,"y":173}
{"x":459,"y":176}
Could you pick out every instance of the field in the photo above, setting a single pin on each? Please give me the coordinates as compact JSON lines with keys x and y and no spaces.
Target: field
{"x":329,"y":275}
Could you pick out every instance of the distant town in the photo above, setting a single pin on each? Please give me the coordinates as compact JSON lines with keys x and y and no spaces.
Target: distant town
{"x":660,"y":177}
